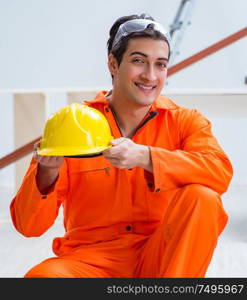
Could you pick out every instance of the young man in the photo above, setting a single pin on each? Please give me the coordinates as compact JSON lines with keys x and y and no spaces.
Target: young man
{"x":156,"y":211}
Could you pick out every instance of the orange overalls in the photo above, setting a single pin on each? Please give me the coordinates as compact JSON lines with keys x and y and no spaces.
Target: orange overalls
{"x":132,"y":223}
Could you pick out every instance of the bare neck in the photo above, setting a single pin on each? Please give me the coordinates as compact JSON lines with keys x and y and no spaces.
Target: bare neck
{"x":128,"y":115}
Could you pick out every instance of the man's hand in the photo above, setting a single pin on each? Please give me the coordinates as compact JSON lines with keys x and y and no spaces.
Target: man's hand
{"x":125,"y":154}
{"x":48,"y":170}
{"x":53,"y":162}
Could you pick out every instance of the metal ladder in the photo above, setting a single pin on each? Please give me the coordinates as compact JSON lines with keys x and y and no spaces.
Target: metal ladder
{"x":177,"y":29}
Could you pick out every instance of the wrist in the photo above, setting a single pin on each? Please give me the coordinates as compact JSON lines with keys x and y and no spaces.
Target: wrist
{"x":46,"y":178}
{"x":145,"y":158}
{"x":42,"y":169}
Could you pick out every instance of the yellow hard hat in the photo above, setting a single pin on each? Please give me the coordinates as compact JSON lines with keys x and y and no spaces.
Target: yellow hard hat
{"x":75,"y":130}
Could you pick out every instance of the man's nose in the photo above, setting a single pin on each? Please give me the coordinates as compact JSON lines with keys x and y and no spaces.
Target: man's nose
{"x":149,"y":73}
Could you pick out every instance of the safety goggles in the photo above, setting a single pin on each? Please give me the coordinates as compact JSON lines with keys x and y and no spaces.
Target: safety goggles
{"x":138,"y":25}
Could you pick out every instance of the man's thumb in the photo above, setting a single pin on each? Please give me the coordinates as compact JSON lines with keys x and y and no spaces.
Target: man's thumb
{"x":118,"y":141}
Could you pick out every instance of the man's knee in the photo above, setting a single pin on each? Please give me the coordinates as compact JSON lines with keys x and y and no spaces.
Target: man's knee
{"x":50,"y":268}
{"x":200,"y":194}
{"x":205,"y":202}
{"x":65,"y":268}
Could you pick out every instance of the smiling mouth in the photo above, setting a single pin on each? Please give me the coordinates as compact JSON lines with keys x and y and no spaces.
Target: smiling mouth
{"x":145,"y":87}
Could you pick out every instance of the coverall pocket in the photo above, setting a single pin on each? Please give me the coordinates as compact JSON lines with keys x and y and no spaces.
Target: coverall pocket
{"x":90,"y":166}
{"x":105,"y":169}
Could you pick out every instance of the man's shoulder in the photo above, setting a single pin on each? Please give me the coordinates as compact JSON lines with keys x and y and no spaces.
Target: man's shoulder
{"x":100,"y":97}
{"x":180,"y":112}
{"x":164,"y":102}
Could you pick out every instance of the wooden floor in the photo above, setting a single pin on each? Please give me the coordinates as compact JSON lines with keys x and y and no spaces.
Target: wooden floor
{"x":18,"y":254}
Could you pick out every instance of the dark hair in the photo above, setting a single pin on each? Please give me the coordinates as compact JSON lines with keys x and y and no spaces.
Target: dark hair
{"x":121,"y":47}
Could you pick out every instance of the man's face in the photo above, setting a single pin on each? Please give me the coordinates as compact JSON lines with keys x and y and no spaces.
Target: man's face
{"x":142,"y":73}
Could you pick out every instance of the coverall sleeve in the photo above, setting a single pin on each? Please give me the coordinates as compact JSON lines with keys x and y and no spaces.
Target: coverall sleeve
{"x":199,"y":159}
{"x":33,"y":213}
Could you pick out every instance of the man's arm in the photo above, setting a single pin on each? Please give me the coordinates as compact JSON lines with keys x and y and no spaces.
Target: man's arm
{"x":47,"y":170}
{"x":36,"y":204}
{"x":199,"y":159}
{"x":46,"y":178}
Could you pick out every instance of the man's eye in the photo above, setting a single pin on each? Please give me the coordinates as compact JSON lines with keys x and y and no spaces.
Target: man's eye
{"x":162,"y":66}
{"x":138,"y":60}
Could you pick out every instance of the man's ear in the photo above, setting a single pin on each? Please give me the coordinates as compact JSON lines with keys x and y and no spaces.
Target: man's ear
{"x":112,"y":64}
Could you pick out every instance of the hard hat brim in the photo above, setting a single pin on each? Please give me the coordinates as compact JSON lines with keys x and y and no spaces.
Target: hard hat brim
{"x":84,"y":156}
{"x":71,"y":152}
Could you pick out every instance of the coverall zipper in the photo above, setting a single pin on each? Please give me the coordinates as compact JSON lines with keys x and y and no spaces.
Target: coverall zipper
{"x":107,"y":170}
{"x":151,"y":116}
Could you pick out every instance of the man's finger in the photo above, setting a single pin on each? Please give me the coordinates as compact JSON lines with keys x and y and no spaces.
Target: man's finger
{"x":36,"y":145}
{"x":114,"y":150}
{"x":118,"y":141}
{"x":117,"y":146}
{"x":58,"y":158}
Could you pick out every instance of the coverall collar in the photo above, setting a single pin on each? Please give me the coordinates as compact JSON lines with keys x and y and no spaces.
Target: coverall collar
{"x":161,"y":102}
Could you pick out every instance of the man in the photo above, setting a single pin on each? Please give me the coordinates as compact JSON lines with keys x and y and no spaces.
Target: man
{"x":150,"y":206}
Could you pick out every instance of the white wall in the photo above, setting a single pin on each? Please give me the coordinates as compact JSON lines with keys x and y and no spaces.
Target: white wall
{"x":232,"y":136}
{"x":62,"y":43}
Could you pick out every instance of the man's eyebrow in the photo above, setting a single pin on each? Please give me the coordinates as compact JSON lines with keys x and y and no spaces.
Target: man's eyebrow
{"x":145,"y":55}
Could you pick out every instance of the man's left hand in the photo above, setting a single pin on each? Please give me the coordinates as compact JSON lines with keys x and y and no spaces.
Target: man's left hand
{"x":125,"y":154}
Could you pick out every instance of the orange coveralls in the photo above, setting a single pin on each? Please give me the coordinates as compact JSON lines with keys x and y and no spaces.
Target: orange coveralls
{"x":132,"y":223}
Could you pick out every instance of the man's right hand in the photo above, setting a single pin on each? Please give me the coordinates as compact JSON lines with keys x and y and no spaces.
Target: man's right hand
{"x":53,"y":162}
{"x":48,"y":170}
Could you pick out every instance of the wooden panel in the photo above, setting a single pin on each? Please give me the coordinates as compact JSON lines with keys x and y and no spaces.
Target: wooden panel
{"x":79,"y":97}
{"x":29,"y":121}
